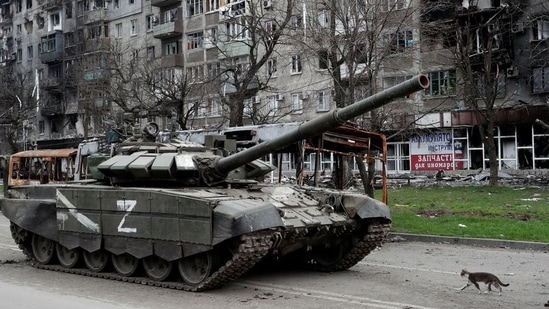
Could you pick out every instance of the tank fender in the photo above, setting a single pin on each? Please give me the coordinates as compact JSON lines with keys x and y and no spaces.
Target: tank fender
{"x":365,"y":207}
{"x":237,"y":217}
{"x":36,"y":216}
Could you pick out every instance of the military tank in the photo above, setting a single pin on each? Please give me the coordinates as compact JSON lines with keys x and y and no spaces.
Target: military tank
{"x":188,"y":216}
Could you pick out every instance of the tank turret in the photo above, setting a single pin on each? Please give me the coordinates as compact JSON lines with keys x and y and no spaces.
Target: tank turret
{"x":196,"y":165}
{"x":176,"y":210}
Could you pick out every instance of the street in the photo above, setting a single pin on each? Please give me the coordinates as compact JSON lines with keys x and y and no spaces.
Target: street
{"x":399,"y":275}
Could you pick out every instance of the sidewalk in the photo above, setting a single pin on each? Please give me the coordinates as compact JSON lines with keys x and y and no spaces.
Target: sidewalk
{"x":481,"y":242}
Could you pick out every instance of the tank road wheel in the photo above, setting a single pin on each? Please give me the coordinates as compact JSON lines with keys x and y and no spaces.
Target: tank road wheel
{"x":125,"y":264}
{"x":96,"y":261}
{"x":196,"y":268}
{"x":157,"y":268}
{"x":67,"y":258}
{"x":43,"y":249}
{"x":328,"y":257}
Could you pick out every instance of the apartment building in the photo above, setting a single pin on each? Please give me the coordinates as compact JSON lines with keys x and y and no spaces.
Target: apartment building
{"x":76,"y":51}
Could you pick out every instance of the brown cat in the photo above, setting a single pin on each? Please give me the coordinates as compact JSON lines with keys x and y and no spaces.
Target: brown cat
{"x":487,"y":278}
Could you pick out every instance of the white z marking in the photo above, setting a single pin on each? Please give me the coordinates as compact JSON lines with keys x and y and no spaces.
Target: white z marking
{"x":127,"y":206}
{"x":85,"y":221}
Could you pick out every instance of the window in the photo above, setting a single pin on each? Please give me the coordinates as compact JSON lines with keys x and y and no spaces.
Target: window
{"x":296,"y":64}
{"x":399,"y":42}
{"x":29,"y":4}
{"x":55,"y":19}
{"x":116,"y":4}
{"x":323,"y":100}
{"x":272,"y":104}
{"x":213,"y":69}
{"x":194,"y":40}
{"x":392,"y":5}
{"x":271,"y":67}
{"x":41,"y":127}
{"x":540,"y":80}
{"x":323,"y":19}
{"x":131,"y":1}
{"x":135,"y":55}
{"x":195,"y":73}
{"x":118,"y":30}
{"x":134,"y":29}
{"x":69,"y":39}
{"x":200,"y":110}
{"x":19,"y":54}
{"x":323,"y":61}
{"x":40,"y":21}
{"x":150,"y":53}
{"x":150,"y":22}
{"x":68,"y":10}
{"x":215,"y":107}
{"x":297,"y":102}
{"x":30,"y":52}
{"x":212,"y":5}
{"x":361,"y":53}
{"x":97,"y":31}
{"x":54,"y":71}
{"x":170,"y":15}
{"x":170,"y":48}
{"x":194,"y":7}
{"x":211,"y":38}
{"x":441,"y":83}
{"x":237,"y":29}
{"x":296,"y":22}
{"x":540,"y":30}
{"x":270,"y":27}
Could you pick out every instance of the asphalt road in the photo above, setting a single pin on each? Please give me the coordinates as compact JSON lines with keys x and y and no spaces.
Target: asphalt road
{"x":399,"y":275}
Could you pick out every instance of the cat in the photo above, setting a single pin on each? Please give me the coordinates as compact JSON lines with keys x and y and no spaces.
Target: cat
{"x":487,"y":278}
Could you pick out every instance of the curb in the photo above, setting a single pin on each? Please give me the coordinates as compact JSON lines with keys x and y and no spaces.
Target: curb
{"x":481,"y":242}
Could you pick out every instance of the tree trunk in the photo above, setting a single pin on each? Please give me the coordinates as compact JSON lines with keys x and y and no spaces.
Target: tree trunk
{"x":487,"y":135}
{"x":236,"y":111}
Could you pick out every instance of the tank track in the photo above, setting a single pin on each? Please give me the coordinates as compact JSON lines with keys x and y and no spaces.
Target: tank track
{"x":374,"y":238}
{"x":252,"y":248}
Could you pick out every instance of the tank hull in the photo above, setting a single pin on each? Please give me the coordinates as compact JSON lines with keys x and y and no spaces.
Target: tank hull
{"x":177,"y":224}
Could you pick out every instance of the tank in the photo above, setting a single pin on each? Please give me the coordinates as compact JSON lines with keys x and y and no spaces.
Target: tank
{"x":185,"y":215}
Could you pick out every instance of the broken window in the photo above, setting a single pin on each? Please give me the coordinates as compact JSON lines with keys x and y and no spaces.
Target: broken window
{"x":540,"y":80}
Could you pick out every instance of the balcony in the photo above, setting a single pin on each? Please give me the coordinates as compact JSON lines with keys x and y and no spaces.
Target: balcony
{"x":51,"y":83}
{"x":97,"y":15}
{"x":162,"y":3}
{"x":52,"y":4}
{"x":51,"y":108}
{"x":52,"y":47}
{"x":176,"y":60}
{"x":6,"y":56}
{"x":97,"y":44}
{"x":96,"y":75}
{"x":168,"y":29}
{"x":52,"y":56}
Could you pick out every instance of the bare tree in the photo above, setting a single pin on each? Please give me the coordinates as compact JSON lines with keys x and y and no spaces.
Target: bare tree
{"x":18,"y":107}
{"x":352,"y":40}
{"x":482,"y":54}
{"x":256,"y":29}
{"x":141,"y":86}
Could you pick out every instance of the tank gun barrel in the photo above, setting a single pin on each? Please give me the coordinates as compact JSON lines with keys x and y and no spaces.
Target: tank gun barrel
{"x":323,"y":123}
